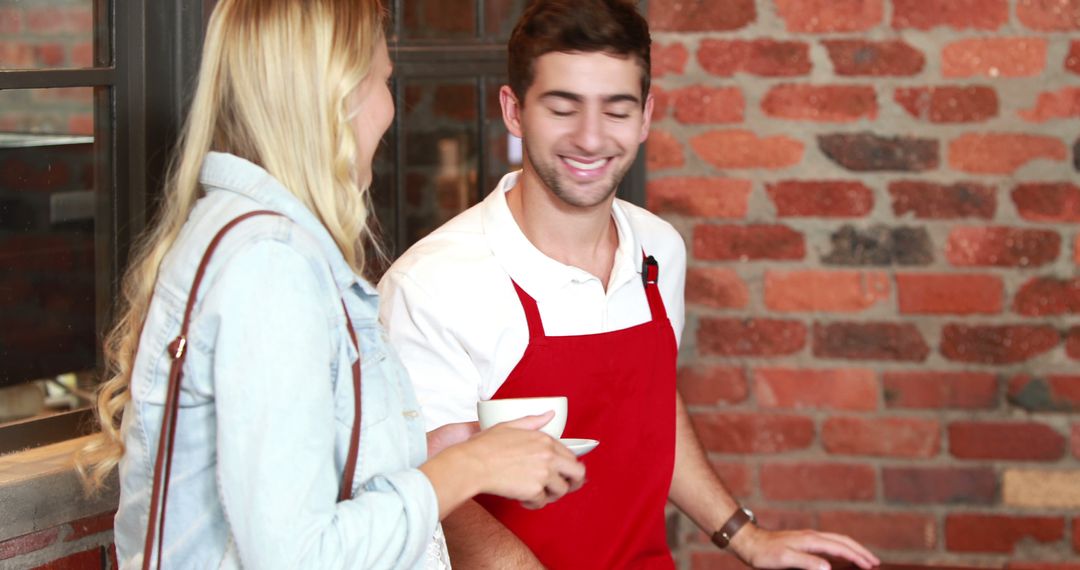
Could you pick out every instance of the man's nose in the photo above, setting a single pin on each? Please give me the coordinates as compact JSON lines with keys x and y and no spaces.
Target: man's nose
{"x":588,"y":132}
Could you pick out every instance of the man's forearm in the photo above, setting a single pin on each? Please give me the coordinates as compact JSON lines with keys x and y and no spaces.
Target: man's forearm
{"x":695,"y":488}
{"x":477,"y":540}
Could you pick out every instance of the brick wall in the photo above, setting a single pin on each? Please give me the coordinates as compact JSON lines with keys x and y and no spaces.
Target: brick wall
{"x":78,"y":545}
{"x":46,"y":34}
{"x":879,"y":200}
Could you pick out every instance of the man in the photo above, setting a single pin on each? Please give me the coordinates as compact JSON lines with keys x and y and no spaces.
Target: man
{"x":551,"y":287}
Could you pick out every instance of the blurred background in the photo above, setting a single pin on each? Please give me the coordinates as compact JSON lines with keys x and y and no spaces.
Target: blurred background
{"x":879,"y":200}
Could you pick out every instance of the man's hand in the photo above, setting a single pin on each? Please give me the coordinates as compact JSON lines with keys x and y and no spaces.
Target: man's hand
{"x":797,"y":549}
{"x":440,"y":438}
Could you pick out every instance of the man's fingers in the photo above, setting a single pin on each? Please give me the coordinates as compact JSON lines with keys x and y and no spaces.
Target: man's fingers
{"x":818,"y":543}
{"x":855,"y":546}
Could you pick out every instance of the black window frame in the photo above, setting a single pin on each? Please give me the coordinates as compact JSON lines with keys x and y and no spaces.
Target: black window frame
{"x":146,"y":54}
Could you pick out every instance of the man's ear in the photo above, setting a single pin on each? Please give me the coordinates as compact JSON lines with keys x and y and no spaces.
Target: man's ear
{"x":511,"y":110}
{"x":646,"y":116}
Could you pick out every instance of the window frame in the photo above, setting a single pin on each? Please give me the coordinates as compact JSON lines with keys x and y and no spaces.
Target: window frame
{"x":146,"y":54}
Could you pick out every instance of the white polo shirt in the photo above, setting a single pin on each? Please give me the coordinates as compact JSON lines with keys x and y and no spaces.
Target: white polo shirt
{"x":454,"y":318}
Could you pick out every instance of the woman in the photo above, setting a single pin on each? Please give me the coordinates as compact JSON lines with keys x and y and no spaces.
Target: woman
{"x":291,"y":104}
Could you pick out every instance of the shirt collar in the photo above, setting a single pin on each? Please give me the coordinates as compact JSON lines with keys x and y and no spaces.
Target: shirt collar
{"x":536,"y":273}
{"x":234,"y":174}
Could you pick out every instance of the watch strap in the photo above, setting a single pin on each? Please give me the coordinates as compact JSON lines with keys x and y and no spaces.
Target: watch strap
{"x":741,"y":516}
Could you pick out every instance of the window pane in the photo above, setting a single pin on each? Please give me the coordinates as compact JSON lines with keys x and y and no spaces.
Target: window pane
{"x":500,"y":17}
{"x":439,"y":19}
{"x":47,"y":213}
{"x":46,"y":34}
{"x":440,"y":162}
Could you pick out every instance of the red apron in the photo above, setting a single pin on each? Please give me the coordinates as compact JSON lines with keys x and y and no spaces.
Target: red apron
{"x":621,"y":391}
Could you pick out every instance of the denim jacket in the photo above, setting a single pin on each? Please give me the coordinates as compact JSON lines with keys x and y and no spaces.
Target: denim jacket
{"x":266,"y":406}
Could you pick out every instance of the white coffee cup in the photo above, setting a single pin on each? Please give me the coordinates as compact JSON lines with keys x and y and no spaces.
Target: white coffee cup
{"x":493,"y":412}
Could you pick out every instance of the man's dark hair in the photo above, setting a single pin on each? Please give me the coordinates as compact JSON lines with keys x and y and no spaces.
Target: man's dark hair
{"x":609,"y":26}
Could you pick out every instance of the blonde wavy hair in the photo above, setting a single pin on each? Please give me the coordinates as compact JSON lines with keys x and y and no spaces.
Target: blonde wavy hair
{"x":273,"y":88}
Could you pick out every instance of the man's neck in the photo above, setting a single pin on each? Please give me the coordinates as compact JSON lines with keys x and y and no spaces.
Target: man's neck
{"x":585,"y":238}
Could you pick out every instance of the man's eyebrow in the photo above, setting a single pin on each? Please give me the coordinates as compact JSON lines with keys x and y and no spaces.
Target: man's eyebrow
{"x":576,"y":98}
{"x":562,"y":95}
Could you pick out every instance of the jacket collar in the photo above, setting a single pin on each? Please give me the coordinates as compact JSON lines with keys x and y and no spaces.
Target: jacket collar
{"x":227,"y":172}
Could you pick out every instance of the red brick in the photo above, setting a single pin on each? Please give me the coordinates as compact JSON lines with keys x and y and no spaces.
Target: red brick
{"x":1072,"y":60}
{"x":1048,"y":202}
{"x":753,"y":433}
{"x":37,"y":540}
{"x":1061,"y":104}
{"x":884,"y":58}
{"x":817,"y":482}
{"x":750,"y":337}
{"x":1002,"y":153}
{"x":767,"y":58}
{"x":1002,"y":344}
{"x":1048,"y":296}
{"x":940,"y":390}
{"x":831,"y":291}
{"x":80,"y":561}
{"x":90,"y":525}
{"x":931,"y":201}
{"x":994,"y":57}
{"x":969,"y":104}
{"x":736,"y":475}
{"x":669,"y":59}
{"x":745,"y":149}
{"x":711,"y":385}
{"x":889,"y":531}
{"x":940,"y":485}
{"x":1019,"y":441}
{"x":1076,"y":529}
{"x":1072,"y":343}
{"x":838,"y":389}
{"x":706,"y":197}
{"x":1002,"y":247}
{"x":1052,"y":393}
{"x":11,"y":21}
{"x":699,"y":104}
{"x":972,"y":532}
{"x":870,"y":341}
{"x":76,"y":20}
{"x":49,"y":55}
{"x":1076,"y":454}
{"x":455,"y":102}
{"x":1049,"y":15}
{"x":700,"y":15}
{"x":717,"y":287}
{"x":82,"y":124}
{"x":949,"y":294}
{"x":956,"y":14}
{"x":748,"y":242}
{"x":16,"y":55}
{"x":82,"y":54}
{"x":817,"y":16}
{"x":663,"y":151}
{"x":887,"y":437}
{"x":1014,"y":565}
{"x":825,"y":198}
{"x":869,"y":152}
{"x":824,"y":103}
{"x":785,"y":519}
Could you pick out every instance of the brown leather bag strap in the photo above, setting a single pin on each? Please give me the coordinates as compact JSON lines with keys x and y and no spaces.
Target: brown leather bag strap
{"x":178,"y":349}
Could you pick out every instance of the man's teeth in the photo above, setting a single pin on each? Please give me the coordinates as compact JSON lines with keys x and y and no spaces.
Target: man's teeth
{"x":586,"y":165}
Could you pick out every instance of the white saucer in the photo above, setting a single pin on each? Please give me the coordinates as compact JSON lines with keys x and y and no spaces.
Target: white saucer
{"x":580,"y":446}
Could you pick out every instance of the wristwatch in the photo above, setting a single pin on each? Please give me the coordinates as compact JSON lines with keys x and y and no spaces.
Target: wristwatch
{"x":722,"y":537}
